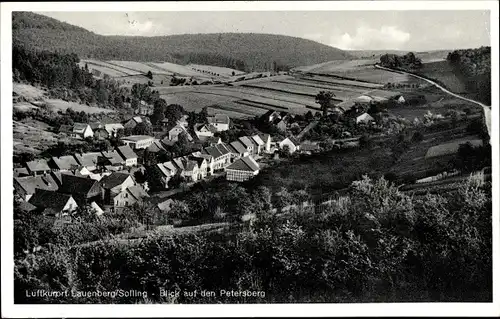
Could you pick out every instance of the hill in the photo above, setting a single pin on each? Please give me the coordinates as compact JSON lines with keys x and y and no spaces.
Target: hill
{"x":242,"y":51}
{"x":426,"y":56}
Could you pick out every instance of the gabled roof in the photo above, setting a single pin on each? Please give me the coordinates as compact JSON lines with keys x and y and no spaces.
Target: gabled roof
{"x":126,"y":152}
{"x":101,"y":131}
{"x":95,"y":125}
{"x":293,"y":140}
{"x":246,"y":141}
{"x":222,"y":147}
{"x":76,"y":185}
{"x":113,"y":156}
{"x":170,"y":166}
{"x":113,"y":127}
{"x":183,"y":130}
{"x":264,"y":137}
{"x":113,"y":180}
{"x":198,"y":159}
{"x":49,"y":199}
{"x":165,"y":171}
{"x":212,"y":150}
{"x":137,"y":191}
{"x":65,"y":162}
{"x":364,"y":116}
{"x":87,"y":159}
{"x":218,"y":119}
{"x":246,"y":163}
{"x":165,"y":205}
{"x":214,"y":140}
{"x":80,"y":127}
{"x":38,"y":165}
{"x":31,"y":183}
{"x":190,"y":165}
{"x":207,"y":157}
{"x":238,"y":147}
{"x":205,"y":127}
{"x":179,"y":162}
{"x":258,"y":140}
{"x":156,"y":146}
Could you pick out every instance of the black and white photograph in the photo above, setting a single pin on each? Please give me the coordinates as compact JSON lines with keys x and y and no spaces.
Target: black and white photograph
{"x":248,"y":154}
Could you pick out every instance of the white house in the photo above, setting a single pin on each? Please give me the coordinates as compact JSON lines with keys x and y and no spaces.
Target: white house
{"x":128,"y":155}
{"x":242,"y":169}
{"x":220,"y":121}
{"x":138,"y":141}
{"x":204,"y":130}
{"x":173,"y":134}
{"x":266,"y":138}
{"x":53,"y":203}
{"x":81,"y":130}
{"x":292,"y":143}
{"x":364,"y":118}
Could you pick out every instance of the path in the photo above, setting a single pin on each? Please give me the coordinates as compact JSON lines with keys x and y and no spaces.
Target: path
{"x":486,"y":108}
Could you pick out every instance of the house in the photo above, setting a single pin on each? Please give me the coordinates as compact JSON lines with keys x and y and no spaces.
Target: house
{"x":203,"y":166}
{"x":271,"y":116}
{"x":346,"y":105}
{"x":364,"y":118}
{"x":292,"y":144}
{"x":187,"y":168}
{"x":401,"y":99}
{"x":129,"y":196}
{"x":63,"y":163}
{"x":20,"y":172}
{"x":53,"y":203}
{"x":248,"y":144}
{"x":138,"y":141}
{"x":183,"y":121}
{"x":242,"y":169}
{"x":101,"y":133}
{"x":110,"y":160}
{"x":128,"y":155}
{"x":25,"y":187}
{"x":114,"y":184}
{"x":37,"y":167}
{"x":88,"y":160}
{"x":144,"y":109}
{"x":173,"y":134}
{"x":113,"y":128}
{"x":266,"y":138}
{"x":221,"y":155}
{"x":132,"y":123}
{"x":98,"y":210}
{"x":204,"y":131}
{"x":81,"y":130}
{"x":83,"y":189}
{"x":167,"y":171}
{"x":309,"y":148}
{"x":213,"y":140}
{"x":259,"y":142}
{"x":209,"y":160}
{"x":239,"y":149}
{"x":156,"y":146}
{"x":281,"y":125}
{"x":219,"y":121}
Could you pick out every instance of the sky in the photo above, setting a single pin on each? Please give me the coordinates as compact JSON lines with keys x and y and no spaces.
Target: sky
{"x":348,"y":30}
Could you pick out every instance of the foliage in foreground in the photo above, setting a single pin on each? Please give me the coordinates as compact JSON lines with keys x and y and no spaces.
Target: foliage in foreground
{"x":376,"y":244}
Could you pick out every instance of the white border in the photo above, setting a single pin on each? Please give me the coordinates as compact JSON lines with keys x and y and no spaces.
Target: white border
{"x":288,"y":310}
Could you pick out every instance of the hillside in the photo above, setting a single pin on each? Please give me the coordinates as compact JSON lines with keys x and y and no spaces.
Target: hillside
{"x":243,"y":51}
{"x":426,"y":56}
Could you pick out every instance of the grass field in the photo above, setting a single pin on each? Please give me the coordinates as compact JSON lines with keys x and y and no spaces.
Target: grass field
{"x":336,"y":66}
{"x":227,"y":72}
{"x":340,"y":81}
{"x":108,"y":68}
{"x":444,"y":73}
{"x":172,"y":68}
{"x":33,"y":136}
{"x":27,"y":91}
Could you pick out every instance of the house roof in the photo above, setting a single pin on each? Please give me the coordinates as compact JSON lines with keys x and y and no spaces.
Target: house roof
{"x":246,"y":163}
{"x":126,"y":152}
{"x":156,"y":146}
{"x":293,"y":140}
{"x":31,"y":183}
{"x":165,"y":171}
{"x":95,"y":125}
{"x":113,"y":180}
{"x":171,"y":166}
{"x":79,"y":127}
{"x":76,"y":185}
{"x":206,"y":127}
{"x":96,"y":207}
{"x":222,"y":147}
{"x":87,"y":159}
{"x":190,"y":165}
{"x":101,"y":131}
{"x":137,"y":191}
{"x":136,"y":138}
{"x":113,"y":156}
{"x":258,"y":140}
{"x":346,"y":105}
{"x":21,"y":171}
{"x":179,"y":162}
{"x":65,"y":162}
{"x":364,"y":116}
{"x":38,"y":165}
{"x":238,"y":147}
{"x":165,"y":205}
{"x":264,"y":137}
{"x":213,"y":140}
{"x":212,"y":150}
{"x":113,"y":127}
{"x":65,"y":128}
{"x":218,"y":119}
{"x":207,"y":157}
{"x":49,"y":199}
{"x":246,"y":141}
{"x":26,"y":207}
{"x":199,"y":160}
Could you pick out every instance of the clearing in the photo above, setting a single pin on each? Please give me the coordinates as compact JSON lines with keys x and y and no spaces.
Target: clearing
{"x":60,"y":105}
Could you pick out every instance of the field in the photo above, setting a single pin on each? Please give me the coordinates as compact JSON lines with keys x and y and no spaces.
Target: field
{"x":108,"y":68}
{"x":27,"y":91}
{"x":444,"y":73}
{"x":32,"y":136}
{"x":216,"y":69}
{"x":336,"y":66}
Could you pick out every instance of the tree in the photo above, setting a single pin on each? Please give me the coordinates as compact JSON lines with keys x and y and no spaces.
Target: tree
{"x":150,"y":74}
{"x":174,"y":113}
{"x":324,"y":99}
{"x":143,"y":128}
{"x":154,"y":178}
{"x":176,"y":181}
{"x":158,"y":115}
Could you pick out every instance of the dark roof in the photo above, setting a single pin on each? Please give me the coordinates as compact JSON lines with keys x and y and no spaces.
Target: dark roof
{"x":246,"y":163}
{"x":218,"y":118}
{"x":114,"y":157}
{"x":113,"y":180}
{"x":214,"y":151}
{"x":65,"y":162}
{"x":264,"y":137}
{"x":76,"y":185}
{"x":31,"y":183}
{"x":126,"y":152}
{"x":238,"y":147}
{"x":49,"y":199}
{"x":137,"y":191}
{"x":222,"y":148}
{"x":38,"y":165}
{"x":246,"y":141}
{"x":87,"y":159}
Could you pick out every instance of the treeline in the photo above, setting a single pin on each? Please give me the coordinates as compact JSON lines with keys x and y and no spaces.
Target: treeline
{"x":408,"y":61}
{"x":375,"y":244}
{"x":249,"y":51}
{"x":211,"y":59}
{"x":65,"y":80}
{"x":475,"y":66}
